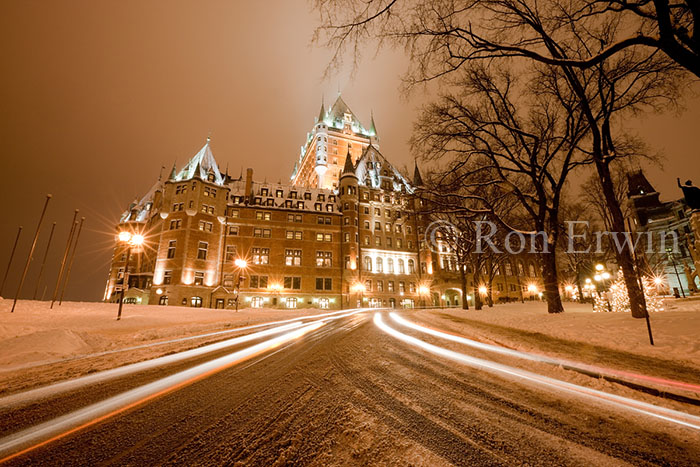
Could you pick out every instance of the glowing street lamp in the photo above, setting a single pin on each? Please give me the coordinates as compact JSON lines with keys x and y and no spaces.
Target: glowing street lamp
{"x":241,"y":264}
{"x":599,"y":267}
{"x":130,"y":240}
{"x":423,"y":291}
{"x":359,"y":288}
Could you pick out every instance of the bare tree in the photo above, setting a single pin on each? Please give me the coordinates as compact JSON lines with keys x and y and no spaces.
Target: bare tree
{"x":524,"y":146}
{"x":443,"y":36}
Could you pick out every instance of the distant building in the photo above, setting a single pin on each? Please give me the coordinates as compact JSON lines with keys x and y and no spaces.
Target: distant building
{"x":662,"y":218}
{"x":347,"y":230}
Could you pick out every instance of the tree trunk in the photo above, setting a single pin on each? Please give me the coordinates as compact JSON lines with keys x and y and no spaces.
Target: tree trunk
{"x":463,"y":285}
{"x":551,"y":282}
{"x":624,"y":257}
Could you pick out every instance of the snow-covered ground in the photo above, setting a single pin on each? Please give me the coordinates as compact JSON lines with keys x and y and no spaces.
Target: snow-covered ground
{"x":676,"y":331}
{"x":35,"y":334}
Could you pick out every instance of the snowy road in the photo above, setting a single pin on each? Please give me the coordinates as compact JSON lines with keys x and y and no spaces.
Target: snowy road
{"x":344,"y":392}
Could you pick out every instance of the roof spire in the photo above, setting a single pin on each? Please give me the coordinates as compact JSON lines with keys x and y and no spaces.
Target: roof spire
{"x":173,"y":173}
{"x":322,"y":112}
{"x":373,"y":127}
{"x":417,"y":179}
{"x":348,"y":168}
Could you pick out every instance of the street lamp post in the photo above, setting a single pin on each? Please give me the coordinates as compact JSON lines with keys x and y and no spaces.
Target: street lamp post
{"x":241,"y":264}
{"x":670,"y":254}
{"x":130,"y":240}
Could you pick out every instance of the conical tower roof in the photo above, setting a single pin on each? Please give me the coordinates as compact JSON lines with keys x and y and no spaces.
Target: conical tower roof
{"x":200,"y":165}
{"x":417,"y":179}
{"x":349,"y":168}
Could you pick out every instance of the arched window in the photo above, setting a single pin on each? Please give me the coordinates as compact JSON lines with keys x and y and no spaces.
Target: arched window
{"x":411,"y":266}
{"x":402,"y":269}
{"x":532,"y":270}
{"x":521,"y":268}
{"x":390,"y":266}
{"x":380,"y":265}
{"x":368,"y":263}
{"x":196,"y":302}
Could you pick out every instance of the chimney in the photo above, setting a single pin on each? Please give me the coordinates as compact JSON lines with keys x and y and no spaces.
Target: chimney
{"x":248,"y":183}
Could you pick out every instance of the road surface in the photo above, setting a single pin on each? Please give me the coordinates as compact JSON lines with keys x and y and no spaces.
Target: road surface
{"x":343,"y":393}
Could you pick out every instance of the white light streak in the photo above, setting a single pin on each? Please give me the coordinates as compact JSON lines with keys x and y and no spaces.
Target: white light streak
{"x":63,"y":386}
{"x":99,"y":411}
{"x":544,"y":359}
{"x":651,"y":410}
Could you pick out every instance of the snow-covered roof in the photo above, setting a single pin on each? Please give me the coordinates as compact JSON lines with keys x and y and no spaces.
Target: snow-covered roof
{"x":201,"y":165}
{"x":372,"y":169}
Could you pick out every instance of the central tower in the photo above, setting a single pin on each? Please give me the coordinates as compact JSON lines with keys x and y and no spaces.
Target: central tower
{"x":337,"y":132}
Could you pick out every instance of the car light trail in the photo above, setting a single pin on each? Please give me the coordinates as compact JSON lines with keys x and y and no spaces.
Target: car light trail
{"x":61,"y":387}
{"x":645,"y":408}
{"x":541,"y":358}
{"x":53,"y":430}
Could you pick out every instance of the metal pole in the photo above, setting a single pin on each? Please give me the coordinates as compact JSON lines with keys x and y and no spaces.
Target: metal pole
{"x":9,"y":263}
{"x":31,"y":252}
{"x":72,"y":257}
{"x":238,"y":288}
{"x":124,"y":282}
{"x":65,"y":255}
{"x":43,"y":262}
{"x":678,"y":277}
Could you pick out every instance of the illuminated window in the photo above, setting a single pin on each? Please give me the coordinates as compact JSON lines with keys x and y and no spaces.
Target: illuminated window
{"x":196,"y":302}
{"x":291,"y":302}
{"x":390,"y":286}
{"x":233,"y":230}
{"x":411,"y":266}
{"x":199,"y":278}
{"x":368,"y":264}
{"x":263,"y":215}
{"x":261,"y":256}
{"x":324,"y":259}
{"x":380,"y":265}
{"x":292,"y":257}
{"x":402,"y":269}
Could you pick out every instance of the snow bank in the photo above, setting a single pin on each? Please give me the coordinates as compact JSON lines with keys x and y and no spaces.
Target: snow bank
{"x":676,"y":331}
{"x":35,"y":334}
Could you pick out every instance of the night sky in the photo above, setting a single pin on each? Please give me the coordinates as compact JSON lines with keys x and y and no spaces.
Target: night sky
{"x":98,"y":96}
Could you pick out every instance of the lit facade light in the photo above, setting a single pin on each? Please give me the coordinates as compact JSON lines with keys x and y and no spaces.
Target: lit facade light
{"x":532,"y":288}
{"x":599,"y":267}
{"x":275,"y":287}
{"x":424,"y":290}
{"x":358,"y":287}
{"x":137,"y":239}
{"x":240,"y":263}
{"x":606,"y":275}
{"x":598,"y":278}
{"x":159,"y":291}
{"x":124,"y":236}
{"x":483,"y":290}
{"x":658,"y":281}
{"x":569,"y":288}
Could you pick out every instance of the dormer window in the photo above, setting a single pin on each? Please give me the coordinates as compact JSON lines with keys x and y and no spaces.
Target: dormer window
{"x":293,"y":194}
{"x":264,"y":192}
{"x":307,"y":195}
{"x":210,"y":177}
{"x":347,"y":117}
{"x":279,"y":193}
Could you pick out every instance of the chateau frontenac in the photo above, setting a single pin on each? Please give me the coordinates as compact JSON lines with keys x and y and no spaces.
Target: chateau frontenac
{"x":346,"y":231}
